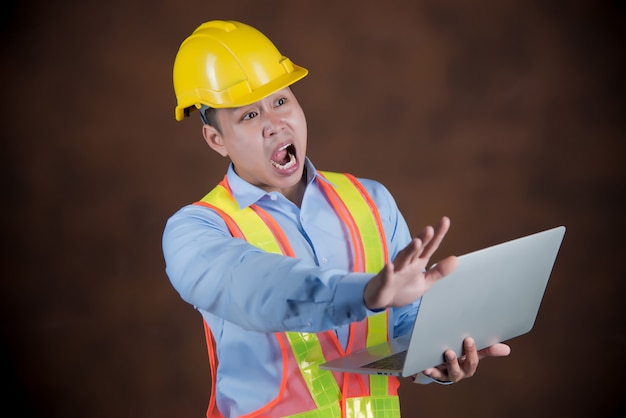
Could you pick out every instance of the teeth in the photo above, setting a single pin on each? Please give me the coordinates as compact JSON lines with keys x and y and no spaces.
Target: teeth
{"x":288,"y":164}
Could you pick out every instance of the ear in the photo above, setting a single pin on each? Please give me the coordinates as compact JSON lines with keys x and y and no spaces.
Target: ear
{"x":214,"y":139}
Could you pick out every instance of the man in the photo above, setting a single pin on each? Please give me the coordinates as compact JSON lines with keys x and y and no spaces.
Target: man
{"x":290,"y":266}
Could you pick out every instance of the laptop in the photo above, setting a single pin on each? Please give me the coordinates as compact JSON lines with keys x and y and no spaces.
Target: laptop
{"x":492,"y":296}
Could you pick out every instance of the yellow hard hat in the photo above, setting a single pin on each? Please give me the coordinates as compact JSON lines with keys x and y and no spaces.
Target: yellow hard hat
{"x":229,"y":64}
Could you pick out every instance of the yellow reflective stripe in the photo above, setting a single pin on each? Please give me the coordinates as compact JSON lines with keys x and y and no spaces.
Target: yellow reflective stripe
{"x":374,"y":261}
{"x":376,"y":329}
{"x":361,"y":407}
{"x":365,"y":221}
{"x":253,"y":227}
{"x":376,"y":334}
{"x":309,"y":355}
{"x":379,"y":385}
{"x":328,"y":411}
{"x":373,"y":407}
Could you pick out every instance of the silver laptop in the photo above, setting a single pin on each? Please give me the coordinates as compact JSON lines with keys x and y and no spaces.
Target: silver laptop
{"x":492,"y":296}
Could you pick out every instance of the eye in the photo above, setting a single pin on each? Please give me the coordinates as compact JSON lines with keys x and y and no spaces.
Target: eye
{"x":280,"y":102}
{"x":249,"y":115}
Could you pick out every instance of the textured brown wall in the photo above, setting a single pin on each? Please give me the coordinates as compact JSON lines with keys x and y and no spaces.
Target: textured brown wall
{"x":507,"y":116}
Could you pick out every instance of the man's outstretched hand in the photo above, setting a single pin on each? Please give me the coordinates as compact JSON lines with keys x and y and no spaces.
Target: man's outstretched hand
{"x":406,"y":279}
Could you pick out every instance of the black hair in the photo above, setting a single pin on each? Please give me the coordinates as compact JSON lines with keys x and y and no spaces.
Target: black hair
{"x":209,"y":117}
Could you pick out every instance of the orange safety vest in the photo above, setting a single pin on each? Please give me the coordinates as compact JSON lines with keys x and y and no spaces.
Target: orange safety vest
{"x":313,"y":392}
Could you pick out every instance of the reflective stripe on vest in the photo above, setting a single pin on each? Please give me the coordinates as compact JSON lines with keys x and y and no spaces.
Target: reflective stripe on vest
{"x":359,"y":214}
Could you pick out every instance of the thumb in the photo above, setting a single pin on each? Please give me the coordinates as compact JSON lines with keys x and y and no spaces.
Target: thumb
{"x":442,"y":269}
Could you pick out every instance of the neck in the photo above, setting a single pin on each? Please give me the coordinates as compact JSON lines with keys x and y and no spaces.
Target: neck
{"x":296,"y":193}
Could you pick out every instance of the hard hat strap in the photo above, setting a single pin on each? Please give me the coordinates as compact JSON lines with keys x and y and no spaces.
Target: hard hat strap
{"x":204,"y":108}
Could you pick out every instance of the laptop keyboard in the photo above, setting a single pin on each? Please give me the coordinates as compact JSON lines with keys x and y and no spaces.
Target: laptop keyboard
{"x":394,"y":362}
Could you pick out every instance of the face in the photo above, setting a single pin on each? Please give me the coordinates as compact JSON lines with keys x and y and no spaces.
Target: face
{"x":266,"y":141}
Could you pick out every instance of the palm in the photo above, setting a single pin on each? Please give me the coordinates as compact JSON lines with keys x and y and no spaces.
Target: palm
{"x":406,"y":278}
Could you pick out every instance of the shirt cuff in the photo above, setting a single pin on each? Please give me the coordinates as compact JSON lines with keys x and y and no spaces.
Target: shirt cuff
{"x":348,"y":301}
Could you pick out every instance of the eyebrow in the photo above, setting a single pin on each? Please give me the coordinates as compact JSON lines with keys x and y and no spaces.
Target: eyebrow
{"x":279,"y":93}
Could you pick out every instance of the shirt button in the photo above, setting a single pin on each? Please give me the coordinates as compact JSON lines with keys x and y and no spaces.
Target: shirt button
{"x":324,"y":260}
{"x":273,"y":197}
{"x":308,"y":324}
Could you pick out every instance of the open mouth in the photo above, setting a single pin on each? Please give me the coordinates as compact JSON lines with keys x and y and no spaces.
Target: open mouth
{"x":285,"y":157}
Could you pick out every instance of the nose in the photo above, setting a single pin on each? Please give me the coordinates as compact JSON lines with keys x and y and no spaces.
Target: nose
{"x":272,"y":124}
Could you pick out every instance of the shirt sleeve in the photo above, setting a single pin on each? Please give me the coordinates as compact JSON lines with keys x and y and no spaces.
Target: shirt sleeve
{"x":240,"y":283}
{"x":265,"y":292}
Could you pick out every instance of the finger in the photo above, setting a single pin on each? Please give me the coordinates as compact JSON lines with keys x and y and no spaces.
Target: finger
{"x":416,"y":249}
{"x":438,"y":375}
{"x":470,"y":362}
{"x":427,"y":233}
{"x":496,"y":350}
{"x":452,"y":366}
{"x":442,"y":269}
{"x":439,"y":233}
{"x":408,"y":254}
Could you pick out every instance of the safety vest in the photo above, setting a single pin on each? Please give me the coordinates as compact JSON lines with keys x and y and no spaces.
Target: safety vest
{"x":306,"y":390}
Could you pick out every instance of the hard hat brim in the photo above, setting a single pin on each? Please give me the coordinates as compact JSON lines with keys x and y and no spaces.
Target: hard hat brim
{"x":230,"y":99}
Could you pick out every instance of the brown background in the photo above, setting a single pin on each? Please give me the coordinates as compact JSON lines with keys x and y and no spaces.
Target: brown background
{"x":507,"y":116}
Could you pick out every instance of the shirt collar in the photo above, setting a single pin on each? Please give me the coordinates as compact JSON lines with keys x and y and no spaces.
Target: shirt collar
{"x":246,"y":194}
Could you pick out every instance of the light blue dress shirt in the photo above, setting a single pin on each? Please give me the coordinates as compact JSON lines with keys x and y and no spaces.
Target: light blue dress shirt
{"x":246,"y":294}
